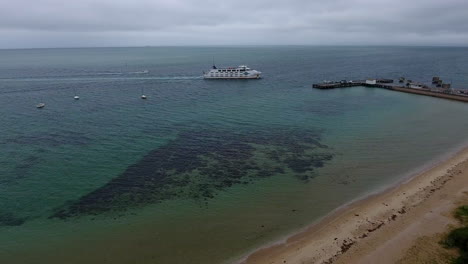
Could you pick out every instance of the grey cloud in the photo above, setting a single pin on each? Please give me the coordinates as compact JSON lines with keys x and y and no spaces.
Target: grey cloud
{"x":46,"y":23}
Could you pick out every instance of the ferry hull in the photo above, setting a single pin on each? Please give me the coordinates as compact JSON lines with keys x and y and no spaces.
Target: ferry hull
{"x":233,"y":78}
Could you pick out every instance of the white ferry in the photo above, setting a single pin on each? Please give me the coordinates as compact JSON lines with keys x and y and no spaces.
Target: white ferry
{"x":241,"y":72}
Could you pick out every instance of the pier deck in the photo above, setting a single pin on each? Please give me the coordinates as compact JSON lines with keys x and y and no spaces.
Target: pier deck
{"x":389,"y":85}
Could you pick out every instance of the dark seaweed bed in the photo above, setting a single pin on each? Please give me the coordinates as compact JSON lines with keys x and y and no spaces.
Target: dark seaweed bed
{"x":199,"y":163}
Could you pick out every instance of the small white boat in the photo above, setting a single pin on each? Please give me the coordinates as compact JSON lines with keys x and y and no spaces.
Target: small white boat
{"x":76,"y":97}
{"x":143,"y":96}
{"x":40,"y":105}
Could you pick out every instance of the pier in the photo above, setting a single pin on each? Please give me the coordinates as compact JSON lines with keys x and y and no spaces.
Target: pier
{"x":411,"y":87}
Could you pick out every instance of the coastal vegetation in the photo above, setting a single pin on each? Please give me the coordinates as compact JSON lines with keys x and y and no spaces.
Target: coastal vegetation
{"x":458,"y":238}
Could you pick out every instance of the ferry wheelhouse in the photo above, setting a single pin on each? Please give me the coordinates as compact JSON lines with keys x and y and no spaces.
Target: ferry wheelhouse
{"x":241,"y":72}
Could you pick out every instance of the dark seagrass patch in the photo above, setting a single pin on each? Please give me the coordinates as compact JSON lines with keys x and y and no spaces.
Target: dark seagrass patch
{"x":201,"y":162}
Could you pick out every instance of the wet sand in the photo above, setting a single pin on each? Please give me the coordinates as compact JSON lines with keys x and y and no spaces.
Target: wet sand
{"x":381,"y":228}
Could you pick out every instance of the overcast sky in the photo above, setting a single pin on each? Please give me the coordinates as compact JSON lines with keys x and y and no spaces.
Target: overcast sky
{"x":66,"y":23}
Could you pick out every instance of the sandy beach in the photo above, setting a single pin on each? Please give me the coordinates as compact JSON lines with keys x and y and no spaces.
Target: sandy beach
{"x":383,"y":228}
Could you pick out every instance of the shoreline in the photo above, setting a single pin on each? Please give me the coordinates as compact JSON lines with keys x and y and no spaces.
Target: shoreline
{"x":346,"y":229}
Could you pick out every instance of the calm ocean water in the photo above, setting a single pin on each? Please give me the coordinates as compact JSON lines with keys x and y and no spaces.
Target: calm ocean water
{"x":204,"y":171}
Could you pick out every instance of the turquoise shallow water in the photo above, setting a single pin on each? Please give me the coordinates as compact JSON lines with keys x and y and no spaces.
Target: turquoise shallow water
{"x":203,"y":171}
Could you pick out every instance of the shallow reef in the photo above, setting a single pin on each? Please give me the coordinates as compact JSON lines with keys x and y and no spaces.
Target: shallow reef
{"x":8,"y":219}
{"x":199,"y":163}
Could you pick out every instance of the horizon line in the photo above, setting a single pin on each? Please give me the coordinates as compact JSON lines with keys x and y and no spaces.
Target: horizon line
{"x":244,"y":45}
